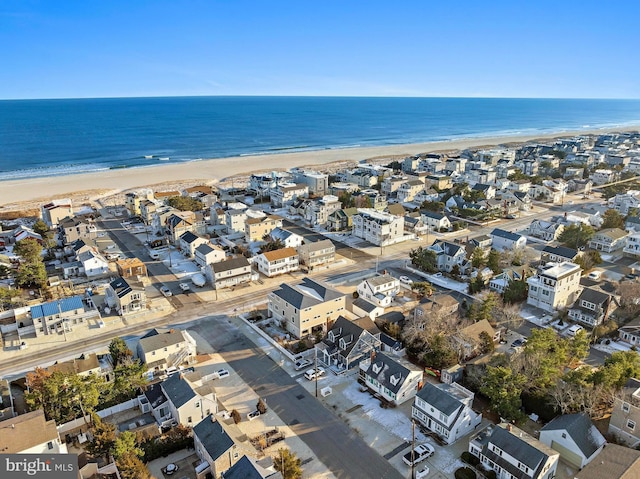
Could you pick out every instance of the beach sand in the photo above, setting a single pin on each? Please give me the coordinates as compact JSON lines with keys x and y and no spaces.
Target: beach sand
{"x":22,"y":194}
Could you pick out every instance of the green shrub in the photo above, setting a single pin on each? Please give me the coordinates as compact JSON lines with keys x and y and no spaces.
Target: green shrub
{"x":464,"y":473}
{"x":469,"y":458}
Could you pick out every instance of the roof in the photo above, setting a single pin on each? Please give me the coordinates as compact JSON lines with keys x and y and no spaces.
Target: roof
{"x":160,"y":338}
{"x":593,"y":296}
{"x":350,"y":331}
{"x":389,"y":369}
{"x":364,"y":305}
{"x":307,"y":293}
{"x":26,"y":431}
{"x":280,"y":254}
{"x":188,"y":237}
{"x":126,"y":263}
{"x":581,"y":429}
{"x":318,"y":245}
{"x":614,"y":462}
{"x":432,"y":214}
{"x":562,"y":251}
{"x":505,"y":234}
{"x":178,"y":390}
{"x":473,"y":331}
{"x":247,"y":468}
{"x":613,"y":233}
{"x":230,"y":264}
{"x":56,"y":307}
{"x":121,"y":287}
{"x":77,"y":365}
{"x":440,"y":398}
{"x":381,"y":280}
{"x":213,"y":437}
{"x":449,"y":249}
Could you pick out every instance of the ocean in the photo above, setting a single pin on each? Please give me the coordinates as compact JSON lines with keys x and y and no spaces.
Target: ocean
{"x":42,"y":138}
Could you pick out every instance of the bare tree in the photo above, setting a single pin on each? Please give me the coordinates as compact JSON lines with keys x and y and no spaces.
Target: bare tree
{"x":507,"y":316}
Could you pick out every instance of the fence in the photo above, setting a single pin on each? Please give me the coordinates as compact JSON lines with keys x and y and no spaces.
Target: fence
{"x":83,"y":421}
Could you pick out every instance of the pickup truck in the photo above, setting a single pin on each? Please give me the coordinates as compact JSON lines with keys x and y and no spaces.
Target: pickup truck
{"x":420,"y":453}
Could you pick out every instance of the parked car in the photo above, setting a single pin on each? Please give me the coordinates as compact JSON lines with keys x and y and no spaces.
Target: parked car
{"x":595,"y":275}
{"x":165,"y":291}
{"x":253,"y":415}
{"x":573,"y":330}
{"x":184,"y":286}
{"x":518,"y":342}
{"x":422,"y":473}
{"x":420,"y":453}
{"x":222,"y":373}
{"x":302,"y":363}
{"x":311,"y":374}
{"x":405,"y":280}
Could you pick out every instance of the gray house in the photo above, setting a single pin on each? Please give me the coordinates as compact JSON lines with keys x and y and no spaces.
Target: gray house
{"x":575,"y":437}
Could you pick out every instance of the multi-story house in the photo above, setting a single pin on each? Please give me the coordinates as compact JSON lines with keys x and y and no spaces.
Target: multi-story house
{"x":558,"y":254}
{"x":379,"y":228}
{"x":394,"y":379}
{"x":363,"y":177}
{"x":505,"y":240}
{"x":545,"y":230}
{"x":133,"y":200}
{"x":377,"y":200}
{"x":592,"y":307}
{"x":318,"y":183}
{"x":408,"y":190}
{"x":208,"y":253}
{"x":281,"y":261}
{"x":131,"y":268}
{"x":469,"y":340}
{"x":625,"y":201}
{"x":446,"y":410}
{"x":58,"y":317}
{"x":234,"y":220}
{"x":285,"y":194}
{"x":160,"y":349}
{"x":255,"y":229}
{"x":262,"y":183}
{"x":511,"y":452}
{"x":608,"y":240}
{"x":85,"y":365}
{"x":341,"y":220}
{"x":575,"y":438}
{"x":178,"y":223}
{"x":228,"y":273}
{"x":442,"y":304}
{"x":55,"y":211}
{"x":600,"y":177}
{"x":500,"y":282}
{"x":317,"y":253}
{"x":93,"y":263}
{"x":307,"y":307}
{"x":391,"y":185}
{"x":316,"y":213}
{"x":30,"y":433}
{"x":630,"y":332}
{"x":71,"y":229}
{"x":288,"y":238}
{"x":216,"y":448}
{"x":624,"y":424}
{"x":126,"y":296}
{"x":379,"y":290}
{"x":148,"y":209}
{"x":188,"y":242}
{"x":614,"y":462}
{"x":189,"y":402}
{"x":435,"y":221}
{"x":348,"y":342}
{"x":556,"y":285}
{"x":449,"y":255}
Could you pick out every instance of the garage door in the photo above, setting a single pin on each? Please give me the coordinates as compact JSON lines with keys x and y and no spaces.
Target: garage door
{"x":568,"y":455}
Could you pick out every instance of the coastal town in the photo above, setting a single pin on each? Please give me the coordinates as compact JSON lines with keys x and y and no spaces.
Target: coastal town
{"x":470,"y":314}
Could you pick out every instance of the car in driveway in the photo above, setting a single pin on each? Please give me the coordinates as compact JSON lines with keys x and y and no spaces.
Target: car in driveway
{"x":312,"y":374}
{"x":253,"y":415}
{"x":518,"y":343}
{"x":222,"y":373}
{"x":405,"y":280}
{"x":419,"y":454}
{"x":166,"y":291}
{"x":422,"y":473}
{"x":302,"y":363}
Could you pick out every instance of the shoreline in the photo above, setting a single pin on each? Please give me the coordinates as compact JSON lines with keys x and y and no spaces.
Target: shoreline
{"x":213,"y":171}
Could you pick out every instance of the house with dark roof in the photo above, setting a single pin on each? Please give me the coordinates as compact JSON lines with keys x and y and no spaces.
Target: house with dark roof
{"x":511,"y":452}
{"x":162,"y":348}
{"x":500,"y":282}
{"x":215,"y":447}
{"x":188,"y":242}
{"x":179,"y":222}
{"x":592,"y":307}
{"x":73,"y":228}
{"x":314,"y":254}
{"x":126,"y":296}
{"x":348,"y":342}
{"x":361,"y":307}
{"x":230,"y":272}
{"x":630,"y":332}
{"x":614,"y":462}
{"x":449,"y":255}
{"x":248,"y":468}
{"x":307,"y":307}
{"x":394,"y":379}
{"x":624,"y":424}
{"x":558,"y":254}
{"x":288,"y":238}
{"x":575,"y":437}
{"x":207,"y":253}
{"x":189,"y":402}
{"x":435,"y":221}
{"x":505,"y":240}
{"x":446,"y":410}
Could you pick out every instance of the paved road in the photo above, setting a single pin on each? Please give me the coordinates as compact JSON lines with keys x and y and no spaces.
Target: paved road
{"x":333,"y":442}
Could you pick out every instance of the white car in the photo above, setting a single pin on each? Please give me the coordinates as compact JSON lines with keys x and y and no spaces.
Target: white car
{"x":405,"y":280}
{"x":312,"y":374}
{"x":222,"y":373}
{"x":595,"y":275}
{"x":422,"y":473}
{"x":184,"y":286}
{"x":253,"y":415}
{"x":165,"y":291}
{"x":302,"y":363}
{"x":420,"y":453}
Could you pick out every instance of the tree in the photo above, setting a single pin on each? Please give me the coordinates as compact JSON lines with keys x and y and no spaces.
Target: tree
{"x":516,"y":291}
{"x":576,"y":235}
{"x":486,"y":343}
{"x":618,"y":369}
{"x":261,"y":406}
{"x":41,"y":228}
{"x":507,"y":316}
{"x":131,"y":467}
{"x":484,"y":309}
{"x":287,"y":464}
{"x":346,"y":199}
{"x":272,"y":245}
{"x":31,"y":272}
{"x":422,"y":288}
{"x":424,"y":259}
{"x":493,"y":261}
{"x":126,"y":444}
{"x":546,"y":354}
{"x":104,"y":437}
{"x":478,"y":258}
{"x":503,"y":388}
{"x":612,"y":219}
{"x":235,"y":415}
{"x":185,"y":203}
{"x":440,"y":353}
{"x":119,"y":351}
{"x":436,"y":206}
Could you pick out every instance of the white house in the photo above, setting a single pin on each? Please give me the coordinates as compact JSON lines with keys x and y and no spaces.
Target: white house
{"x":189,"y":241}
{"x":281,"y":261}
{"x":608,"y":240}
{"x":448,"y":255}
{"x":394,"y":379}
{"x":379,"y":290}
{"x":377,"y":227}
{"x":208,"y":253}
{"x":435,"y":221}
{"x":556,"y":285}
{"x":188,"y":402}
{"x":446,"y":410}
{"x":545,"y":230}
{"x":575,"y":437}
{"x":288,"y":238}
{"x":505,"y":240}
{"x":93,"y":263}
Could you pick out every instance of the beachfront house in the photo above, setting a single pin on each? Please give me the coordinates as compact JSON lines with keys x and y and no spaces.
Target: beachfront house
{"x":54,"y":211}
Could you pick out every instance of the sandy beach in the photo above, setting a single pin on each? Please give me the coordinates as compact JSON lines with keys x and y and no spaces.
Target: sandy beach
{"x":19,"y":193}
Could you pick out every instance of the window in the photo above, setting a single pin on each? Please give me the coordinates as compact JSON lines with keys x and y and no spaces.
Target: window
{"x":50,"y":445}
{"x":564,"y":435}
{"x":189,"y":419}
{"x":631,"y":424}
{"x":625,"y":407}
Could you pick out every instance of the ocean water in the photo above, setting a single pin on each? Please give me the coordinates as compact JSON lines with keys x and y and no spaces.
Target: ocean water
{"x":59,"y":137}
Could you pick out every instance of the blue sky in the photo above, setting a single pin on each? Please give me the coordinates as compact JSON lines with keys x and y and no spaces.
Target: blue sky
{"x":107,"y":48}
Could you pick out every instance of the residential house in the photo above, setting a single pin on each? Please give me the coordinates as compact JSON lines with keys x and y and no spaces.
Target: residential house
{"x":608,"y":240}
{"x":482,"y":241}
{"x":165,"y":195}
{"x":394,"y":379}
{"x":162,"y":348}
{"x":625,"y":201}
{"x":558,"y":254}
{"x":364,"y":178}
{"x":131,"y":268}
{"x":435,"y":221}
{"x":505,"y":240}
{"x":585,"y":216}
{"x":317,"y":183}
{"x":441,"y":303}
{"x":188,"y":242}
{"x":234,"y":220}
{"x":132,"y":200}
{"x":6,"y":400}
{"x":632,"y":224}
{"x":59,"y":316}
{"x":317,"y":253}
{"x":22,"y":233}
{"x":630,"y":332}
{"x":592,"y":307}
{"x":601,"y":177}
{"x":93,"y":263}
{"x":428,"y":194}
{"x":262,"y":183}
{"x":555,"y":286}
{"x":446,"y":410}
{"x":316,"y":212}
{"x":71,"y":229}
{"x":379,"y":290}
{"x":189,"y":402}
{"x":306,"y":307}
{"x":30,"y":433}
{"x":56,"y":210}
{"x":470,"y":339}
{"x":208,"y":253}
{"x":215,"y":448}
{"x":614,"y":462}
{"x":179,"y":222}
{"x":444,"y":182}
{"x":148,"y":209}
{"x":511,"y":452}
{"x":248,"y":468}
{"x":488,"y":191}
{"x":500,"y":282}
{"x":126,"y":296}
{"x":408,"y":190}
{"x":281,"y":261}
{"x":286,"y":193}
{"x":377,"y":227}
{"x":348,"y":342}
{"x":449,"y":255}
{"x":391,"y":185}
{"x":545,"y":230}
{"x":85,"y":365}
{"x":341,"y":220}
{"x":575,"y":437}
{"x":624,"y":423}
{"x":288,"y":238}
{"x":361,"y":308}
{"x":229,"y":272}
{"x":255,"y":229}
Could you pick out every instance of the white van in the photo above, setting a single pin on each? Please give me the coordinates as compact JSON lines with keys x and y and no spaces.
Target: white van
{"x":311,"y":374}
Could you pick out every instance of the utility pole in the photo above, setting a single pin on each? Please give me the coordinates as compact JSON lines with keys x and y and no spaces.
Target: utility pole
{"x":413,"y":448}
{"x":315,"y":360}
